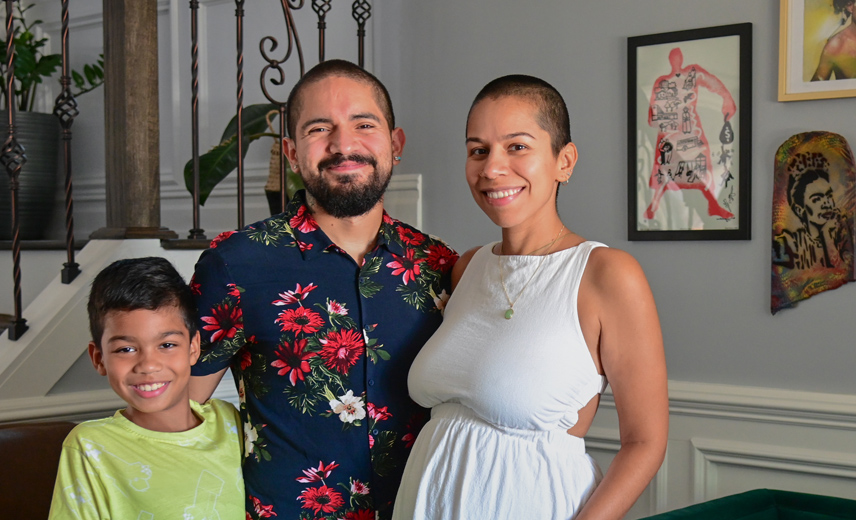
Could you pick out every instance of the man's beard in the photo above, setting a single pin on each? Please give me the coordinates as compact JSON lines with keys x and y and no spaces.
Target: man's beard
{"x":344,"y":197}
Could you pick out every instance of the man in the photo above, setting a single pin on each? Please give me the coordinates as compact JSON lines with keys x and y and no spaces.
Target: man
{"x":319,"y":312}
{"x":839,"y":53}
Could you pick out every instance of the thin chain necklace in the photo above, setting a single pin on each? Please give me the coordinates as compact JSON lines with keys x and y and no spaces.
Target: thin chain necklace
{"x":510,"y":312}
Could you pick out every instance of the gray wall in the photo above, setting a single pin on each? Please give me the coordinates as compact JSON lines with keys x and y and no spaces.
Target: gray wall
{"x":713,"y":297}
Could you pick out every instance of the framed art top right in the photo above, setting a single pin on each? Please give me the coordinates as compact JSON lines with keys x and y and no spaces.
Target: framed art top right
{"x":817,"y":49}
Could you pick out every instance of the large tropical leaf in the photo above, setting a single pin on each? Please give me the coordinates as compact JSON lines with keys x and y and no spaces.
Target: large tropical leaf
{"x":216,"y":164}
{"x":254,"y":121}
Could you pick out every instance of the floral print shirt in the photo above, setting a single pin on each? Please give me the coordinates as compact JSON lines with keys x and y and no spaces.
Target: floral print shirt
{"x":320,"y":348}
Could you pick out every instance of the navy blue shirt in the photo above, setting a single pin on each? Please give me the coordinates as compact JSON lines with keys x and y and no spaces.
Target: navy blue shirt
{"x":320,"y":348}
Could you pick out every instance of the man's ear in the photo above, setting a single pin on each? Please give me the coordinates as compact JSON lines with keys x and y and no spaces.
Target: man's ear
{"x":398,"y":140}
{"x":97,"y":358}
{"x":194,"y":348}
{"x":566,"y":161}
{"x":289,"y":149}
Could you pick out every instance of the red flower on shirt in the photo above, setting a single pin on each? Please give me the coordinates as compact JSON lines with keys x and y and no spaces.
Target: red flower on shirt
{"x":320,"y":499}
{"x":293,"y":360}
{"x":296,"y":296}
{"x":317,"y":474}
{"x":233,"y":290}
{"x":362,"y":514}
{"x":440,"y":258}
{"x":304,"y":221}
{"x":378,"y":414}
{"x":246,"y":358}
{"x":299,"y":320}
{"x":407,"y":265}
{"x":410,"y":237}
{"x":342,"y":349}
{"x":195,"y":287}
{"x":221,"y":237}
{"x":225,"y":320}
{"x":262,"y":511}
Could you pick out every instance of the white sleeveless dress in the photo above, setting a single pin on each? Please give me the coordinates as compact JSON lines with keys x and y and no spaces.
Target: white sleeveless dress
{"x":503,"y":394}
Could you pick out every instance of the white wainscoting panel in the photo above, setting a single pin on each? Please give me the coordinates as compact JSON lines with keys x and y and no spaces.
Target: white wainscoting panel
{"x":727,"y":439}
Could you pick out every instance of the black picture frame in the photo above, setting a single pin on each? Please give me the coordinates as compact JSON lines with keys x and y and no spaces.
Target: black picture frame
{"x":684,"y":183}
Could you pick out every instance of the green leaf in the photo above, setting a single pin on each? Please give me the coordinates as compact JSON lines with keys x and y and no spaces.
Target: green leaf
{"x":78,"y":79}
{"x":369,"y":288}
{"x":89,"y":72}
{"x":215,"y":165}
{"x":220,"y":161}
{"x":384,"y":355}
{"x":254,"y":119}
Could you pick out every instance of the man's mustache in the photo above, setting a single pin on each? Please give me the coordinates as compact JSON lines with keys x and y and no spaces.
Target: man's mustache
{"x":336,"y":160}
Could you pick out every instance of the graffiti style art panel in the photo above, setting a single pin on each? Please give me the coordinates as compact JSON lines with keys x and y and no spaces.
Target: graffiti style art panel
{"x":814,"y":208}
{"x":689,"y":100}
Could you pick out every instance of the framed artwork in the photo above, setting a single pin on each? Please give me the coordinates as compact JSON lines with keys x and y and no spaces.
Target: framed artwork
{"x":689,"y":100}
{"x":817,"y":49}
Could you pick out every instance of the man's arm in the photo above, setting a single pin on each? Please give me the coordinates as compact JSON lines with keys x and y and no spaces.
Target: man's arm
{"x":202,"y":387}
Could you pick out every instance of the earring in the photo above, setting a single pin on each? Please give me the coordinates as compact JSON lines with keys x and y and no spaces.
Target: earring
{"x":566,"y":181}
{"x":397,"y":157}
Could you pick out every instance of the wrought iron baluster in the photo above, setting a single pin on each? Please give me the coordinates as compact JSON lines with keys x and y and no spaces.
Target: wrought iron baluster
{"x":196,"y":232}
{"x":321,"y":8}
{"x":274,"y":66}
{"x":361,"y":10}
{"x":65,"y":110}
{"x":13,"y":159}
{"x":239,"y":15}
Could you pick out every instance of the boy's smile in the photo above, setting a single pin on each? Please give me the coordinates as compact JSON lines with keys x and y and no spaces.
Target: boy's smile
{"x":147,"y":355}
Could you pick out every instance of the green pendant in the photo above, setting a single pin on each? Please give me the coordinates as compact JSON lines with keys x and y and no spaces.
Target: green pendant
{"x":509,"y":313}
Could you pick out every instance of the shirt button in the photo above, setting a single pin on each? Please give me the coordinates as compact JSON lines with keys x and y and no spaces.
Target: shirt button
{"x":371,"y":382}
{"x":375,"y":432}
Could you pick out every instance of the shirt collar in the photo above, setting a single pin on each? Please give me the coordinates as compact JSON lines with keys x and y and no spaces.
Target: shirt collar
{"x":311,"y":239}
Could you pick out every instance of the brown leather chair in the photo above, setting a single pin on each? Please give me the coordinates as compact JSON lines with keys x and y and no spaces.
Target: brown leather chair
{"x":29,"y":457}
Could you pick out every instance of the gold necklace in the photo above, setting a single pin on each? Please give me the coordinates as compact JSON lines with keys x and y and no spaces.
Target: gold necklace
{"x":510,"y":312}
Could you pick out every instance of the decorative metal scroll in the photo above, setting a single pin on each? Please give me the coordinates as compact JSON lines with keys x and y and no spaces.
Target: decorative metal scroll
{"x":13,"y":159}
{"x":272,"y":75}
{"x":361,"y":10}
{"x":65,"y":109}
{"x":321,"y":8}
{"x":274,"y":67}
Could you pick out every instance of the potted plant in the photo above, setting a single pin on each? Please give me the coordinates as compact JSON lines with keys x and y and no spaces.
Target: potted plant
{"x":38,"y":133}
{"x":216,"y":164}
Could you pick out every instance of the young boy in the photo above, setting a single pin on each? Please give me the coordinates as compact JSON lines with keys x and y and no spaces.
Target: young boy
{"x":164,"y":456}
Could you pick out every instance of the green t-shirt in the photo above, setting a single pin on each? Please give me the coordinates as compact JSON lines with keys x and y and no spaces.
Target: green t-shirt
{"x":112,"y":468}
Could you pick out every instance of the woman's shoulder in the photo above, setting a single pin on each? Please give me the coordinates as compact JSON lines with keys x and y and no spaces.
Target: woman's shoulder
{"x":462,"y":263}
{"x":613,"y":270}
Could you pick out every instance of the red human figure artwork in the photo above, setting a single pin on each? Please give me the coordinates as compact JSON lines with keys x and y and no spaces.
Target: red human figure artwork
{"x":683,"y":159}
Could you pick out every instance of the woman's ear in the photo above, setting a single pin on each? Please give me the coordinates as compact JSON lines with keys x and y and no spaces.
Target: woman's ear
{"x":566,"y":161}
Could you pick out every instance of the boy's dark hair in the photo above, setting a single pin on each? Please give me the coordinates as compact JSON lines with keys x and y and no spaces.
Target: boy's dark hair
{"x":138,"y":283}
{"x":552,"y":114}
{"x":336,"y":68}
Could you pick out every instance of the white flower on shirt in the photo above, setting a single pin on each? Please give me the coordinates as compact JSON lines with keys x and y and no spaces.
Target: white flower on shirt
{"x":349,"y":407}
{"x":250,"y":437}
{"x":440,"y":300}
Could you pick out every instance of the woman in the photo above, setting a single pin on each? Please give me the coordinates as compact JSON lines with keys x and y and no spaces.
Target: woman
{"x":537,"y":323}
